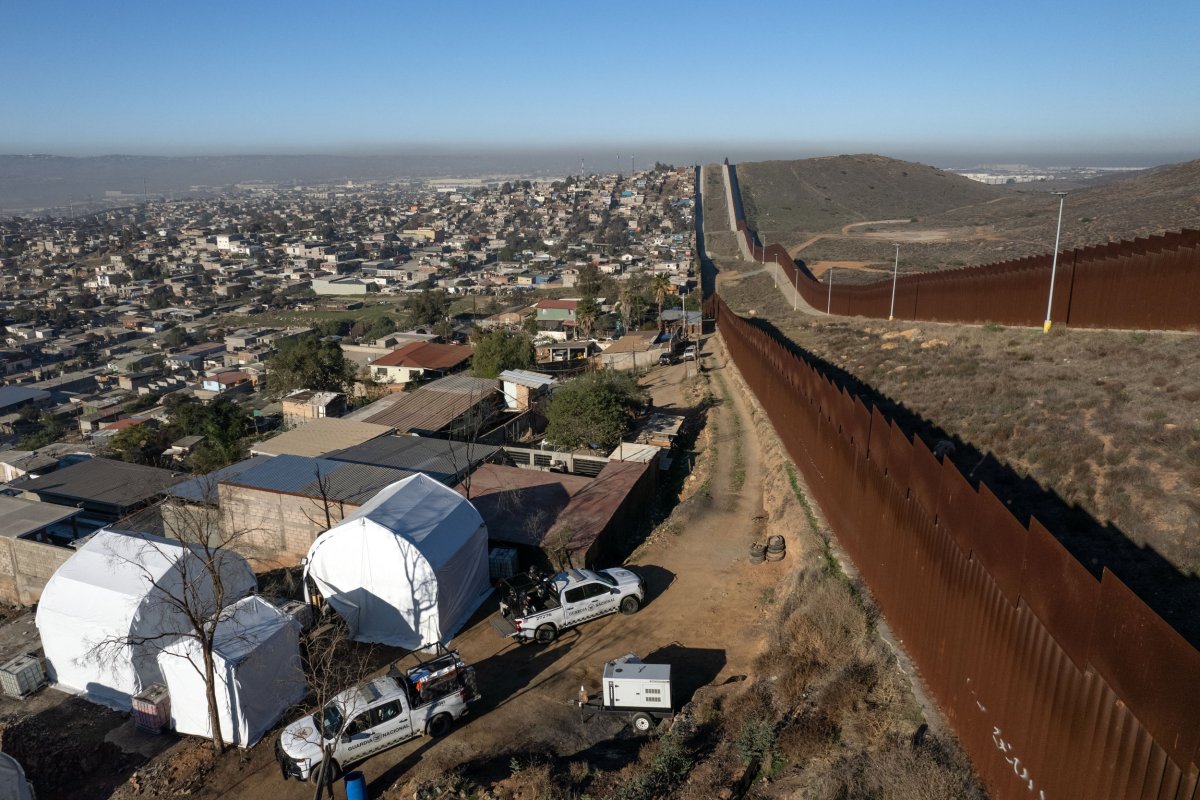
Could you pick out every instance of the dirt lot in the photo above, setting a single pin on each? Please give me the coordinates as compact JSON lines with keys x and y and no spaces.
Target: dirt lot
{"x":775,"y":657}
{"x":705,"y":615}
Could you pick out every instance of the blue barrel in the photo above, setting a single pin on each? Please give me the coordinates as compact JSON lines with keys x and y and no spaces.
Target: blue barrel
{"x":356,"y":786}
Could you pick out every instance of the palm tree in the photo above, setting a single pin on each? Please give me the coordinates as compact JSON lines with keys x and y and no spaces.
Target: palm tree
{"x":661,"y":285}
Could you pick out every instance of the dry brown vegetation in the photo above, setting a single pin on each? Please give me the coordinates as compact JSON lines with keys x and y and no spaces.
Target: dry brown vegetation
{"x":1095,"y":432}
{"x":790,"y":201}
{"x":826,"y":711}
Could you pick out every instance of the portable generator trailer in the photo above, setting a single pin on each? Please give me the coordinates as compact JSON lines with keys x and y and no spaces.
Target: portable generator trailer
{"x":632,"y":688}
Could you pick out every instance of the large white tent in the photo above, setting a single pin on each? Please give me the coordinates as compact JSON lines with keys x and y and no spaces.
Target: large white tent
{"x":13,"y":784}
{"x":408,"y":568}
{"x":113,"y":605}
{"x":256,"y":669}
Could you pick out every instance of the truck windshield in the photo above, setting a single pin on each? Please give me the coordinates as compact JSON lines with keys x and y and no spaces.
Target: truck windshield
{"x":329,"y":721}
{"x":609,"y":579}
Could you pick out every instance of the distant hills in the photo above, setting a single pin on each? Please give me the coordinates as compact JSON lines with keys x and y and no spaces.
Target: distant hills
{"x":818,"y":195}
{"x":806,"y":205}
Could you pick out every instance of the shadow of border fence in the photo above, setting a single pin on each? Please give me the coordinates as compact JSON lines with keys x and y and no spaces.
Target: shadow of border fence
{"x":1058,"y":684}
{"x":1146,"y":283}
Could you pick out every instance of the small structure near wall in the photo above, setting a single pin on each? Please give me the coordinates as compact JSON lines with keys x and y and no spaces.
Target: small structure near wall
{"x":257,"y":668}
{"x":304,"y":405}
{"x":523,"y":388}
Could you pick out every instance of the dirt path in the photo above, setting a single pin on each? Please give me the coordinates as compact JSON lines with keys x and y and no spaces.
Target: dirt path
{"x":704,"y":616}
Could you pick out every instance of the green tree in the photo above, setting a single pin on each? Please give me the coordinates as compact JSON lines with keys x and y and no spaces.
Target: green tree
{"x":661,"y":286}
{"x":333,"y":327}
{"x":381,"y":326}
{"x":47,"y":433}
{"x":428,"y":308}
{"x":499,"y":350}
{"x":588,"y":308}
{"x":176,"y":337}
{"x":309,"y":363}
{"x":140,"y":444}
{"x":222,"y":424}
{"x":594,"y":409}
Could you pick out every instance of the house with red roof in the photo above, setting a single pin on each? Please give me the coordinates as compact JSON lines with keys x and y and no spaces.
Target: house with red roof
{"x":420,"y":360}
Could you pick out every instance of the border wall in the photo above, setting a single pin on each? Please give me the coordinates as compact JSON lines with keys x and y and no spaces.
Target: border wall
{"x":1058,"y":685}
{"x":1149,"y":283}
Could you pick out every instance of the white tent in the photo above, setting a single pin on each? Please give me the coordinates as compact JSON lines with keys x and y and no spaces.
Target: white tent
{"x":13,"y":784}
{"x":408,"y":568}
{"x":257,"y":671}
{"x":120,"y":587}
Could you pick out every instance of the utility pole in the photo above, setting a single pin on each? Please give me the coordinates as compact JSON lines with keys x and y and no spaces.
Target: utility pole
{"x":1062,"y":199}
{"x":796,"y":289}
{"x":895,"y":275}
{"x":829,"y":302}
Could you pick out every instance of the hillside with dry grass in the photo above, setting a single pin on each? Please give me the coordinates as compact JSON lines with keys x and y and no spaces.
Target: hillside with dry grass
{"x":1097,"y":433}
{"x":818,"y":195}
{"x":827,"y":211}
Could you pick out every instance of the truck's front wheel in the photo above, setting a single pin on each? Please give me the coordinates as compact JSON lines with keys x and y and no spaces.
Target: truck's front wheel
{"x":440,"y":725}
{"x":545,"y":634}
{"x":335,"y":772}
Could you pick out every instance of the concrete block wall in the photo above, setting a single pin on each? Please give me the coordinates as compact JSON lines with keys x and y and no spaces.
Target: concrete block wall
{"x":275,"y":529}
{"x":25,"y":566}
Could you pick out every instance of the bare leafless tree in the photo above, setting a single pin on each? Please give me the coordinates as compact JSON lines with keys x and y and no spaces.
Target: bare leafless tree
{"x":333,"y":663}
{"x":205,"y":576}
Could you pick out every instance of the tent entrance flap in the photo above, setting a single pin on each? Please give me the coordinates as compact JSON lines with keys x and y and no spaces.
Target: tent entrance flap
{"x":348,"y":610}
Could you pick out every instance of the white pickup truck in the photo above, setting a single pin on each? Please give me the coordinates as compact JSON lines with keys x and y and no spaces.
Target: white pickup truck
{"x":539,"y":608}
{"x":367,"y":719}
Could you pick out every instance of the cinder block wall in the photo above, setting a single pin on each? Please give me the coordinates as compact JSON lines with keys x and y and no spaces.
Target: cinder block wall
{"x":25,"y":566}
{"x":274,"y":529}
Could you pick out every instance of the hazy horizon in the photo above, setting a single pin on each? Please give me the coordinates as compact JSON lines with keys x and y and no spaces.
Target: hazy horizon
{"x":1067,"y":82}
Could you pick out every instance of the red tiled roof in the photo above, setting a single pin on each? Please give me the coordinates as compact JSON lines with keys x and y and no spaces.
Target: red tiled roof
{"x":425,"y":355}
{"x":568,"y":305}
{"x":122,"y":424}
{"x":231,"y":378}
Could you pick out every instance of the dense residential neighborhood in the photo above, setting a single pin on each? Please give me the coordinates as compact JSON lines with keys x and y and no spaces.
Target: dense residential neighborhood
{"x":244,"y":377}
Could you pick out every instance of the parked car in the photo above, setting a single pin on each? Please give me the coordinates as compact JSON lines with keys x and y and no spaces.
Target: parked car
{"x":539,"y":608}
{"x":367,"y":719}
{"x":689,"y":353}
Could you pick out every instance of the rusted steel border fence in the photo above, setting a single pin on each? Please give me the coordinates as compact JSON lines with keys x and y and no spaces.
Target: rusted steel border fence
{"x":1146,"y":283}
{"x":1059,"y":685}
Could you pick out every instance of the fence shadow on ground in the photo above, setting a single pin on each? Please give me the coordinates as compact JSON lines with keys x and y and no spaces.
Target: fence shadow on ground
{"x":1172,"y":594}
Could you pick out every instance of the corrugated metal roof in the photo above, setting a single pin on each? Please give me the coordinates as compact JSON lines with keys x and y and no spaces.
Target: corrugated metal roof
{"x":15,"y":395}
{"x":102,"y":480}
{"x":204,"y":488}
{"x":441,"y":459}
{"x":299,"y":475}
{"x":320,"y":436}
{"x":462,"y":384}
{"x":425,"y":355}
{"x":18,"y":517}
{"x":524,"y":377}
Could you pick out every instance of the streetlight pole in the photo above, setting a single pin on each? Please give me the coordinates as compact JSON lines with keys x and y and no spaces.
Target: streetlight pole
{"x":895,"y":275}
{"x":1062,"y":199}
{"x":829,"y":302}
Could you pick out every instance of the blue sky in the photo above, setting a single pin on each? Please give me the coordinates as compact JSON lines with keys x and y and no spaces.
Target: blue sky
{"x":1001,"y":78}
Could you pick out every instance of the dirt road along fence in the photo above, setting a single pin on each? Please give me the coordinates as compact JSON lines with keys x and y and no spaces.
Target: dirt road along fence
{"x":1059,"y":685}
{"x":1147,"y":283}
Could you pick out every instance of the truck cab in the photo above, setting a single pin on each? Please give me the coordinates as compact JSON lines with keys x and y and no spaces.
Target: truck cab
{"x":378,"y":715}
